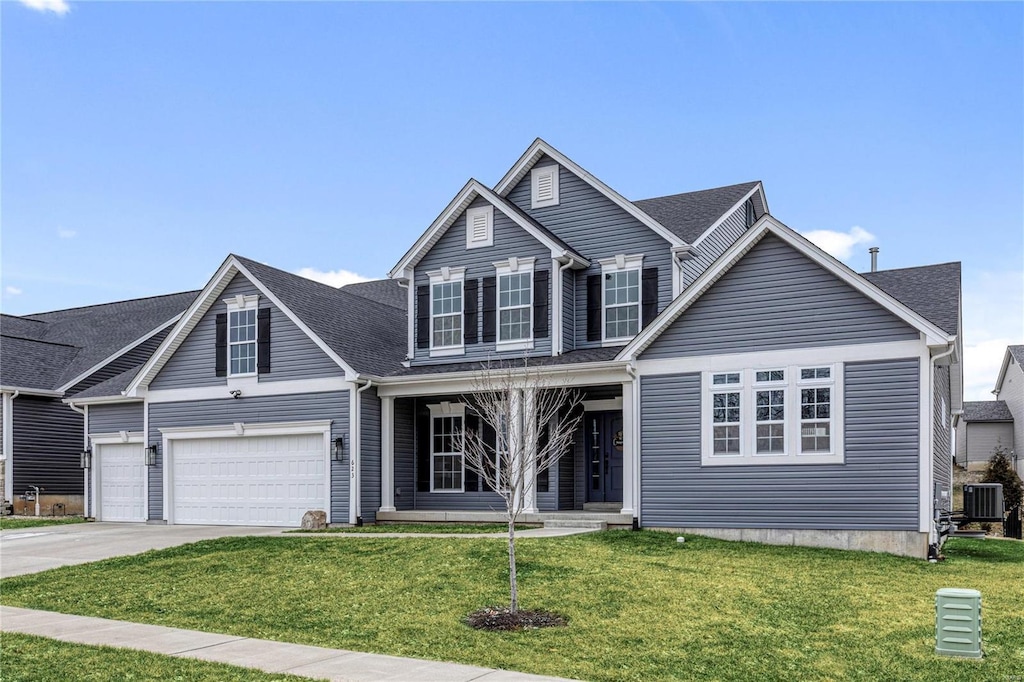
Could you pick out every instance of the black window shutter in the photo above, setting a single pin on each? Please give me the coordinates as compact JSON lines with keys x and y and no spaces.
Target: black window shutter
{"x":221,"y":345}
{"x":469,"y":309}
{"x":423,"y":453}
{"x":649,"y":296}
{"x":540,"y":304}
{"x":423,"y":316}
{"x":593,"y":307}
{"x":472,"y":480}
{"x":490,"y":440}
{"x":543,"y":477}
{"x":490,"y":309}
{"x":263,"y":341}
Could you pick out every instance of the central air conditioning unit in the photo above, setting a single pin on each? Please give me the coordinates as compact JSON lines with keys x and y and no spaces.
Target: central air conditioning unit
{"x":983,"y":501}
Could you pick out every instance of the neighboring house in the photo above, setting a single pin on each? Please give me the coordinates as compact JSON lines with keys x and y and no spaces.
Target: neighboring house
{"x":48,"y":357}
{"x":737,"y":380}
{"x":988,"y":424}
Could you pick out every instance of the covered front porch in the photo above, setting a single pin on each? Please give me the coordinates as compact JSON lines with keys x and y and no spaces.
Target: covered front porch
{"x":424,"y":477}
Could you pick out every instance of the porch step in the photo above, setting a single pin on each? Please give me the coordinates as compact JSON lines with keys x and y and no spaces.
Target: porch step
{"x":602,"y":506}
{"x":576,"y":523}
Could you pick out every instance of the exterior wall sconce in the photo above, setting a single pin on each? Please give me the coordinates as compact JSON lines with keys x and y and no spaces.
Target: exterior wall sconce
{"x":85,"y":458}
{"x":338,"y":449}
{"x":151,"y":453}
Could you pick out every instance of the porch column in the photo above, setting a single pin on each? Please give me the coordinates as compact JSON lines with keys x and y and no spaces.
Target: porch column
{"x":8,"y":446}
{"x":630,"y":446}
{"x":529,"y":421}
{"x":387,"y":454}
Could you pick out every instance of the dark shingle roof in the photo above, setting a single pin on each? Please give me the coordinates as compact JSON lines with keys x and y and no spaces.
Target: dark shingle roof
{"x":932,"y":291}
{"x":569,"y":358}
{"x":379,"y":290}
{"x":367,"y":334}
{"x":689,"y":214}
{"x":1018,"y":353}
{"x":987,"y":411}
{"x":112,"y":386}
{"x":26,"y":363}
{"x":95,"y":332}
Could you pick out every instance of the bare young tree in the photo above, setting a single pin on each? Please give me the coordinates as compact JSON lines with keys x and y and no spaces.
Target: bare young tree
{"x":533,"y":418}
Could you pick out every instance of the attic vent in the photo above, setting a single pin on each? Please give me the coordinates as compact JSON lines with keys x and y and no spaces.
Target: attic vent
{"x":544,"y":183}
{"x":479,"y":227}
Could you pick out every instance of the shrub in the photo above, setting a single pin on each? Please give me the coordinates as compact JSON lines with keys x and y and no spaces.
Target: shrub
{"x":1000,"y":470}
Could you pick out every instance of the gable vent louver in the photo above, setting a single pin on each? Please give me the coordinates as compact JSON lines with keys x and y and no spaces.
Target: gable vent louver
{"x":544,"y":183}
{"x":479,"y":227}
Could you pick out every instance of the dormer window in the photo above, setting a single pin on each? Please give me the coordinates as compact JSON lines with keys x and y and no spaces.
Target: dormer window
{"x":544,"y":184}
{"x":479,"y":227}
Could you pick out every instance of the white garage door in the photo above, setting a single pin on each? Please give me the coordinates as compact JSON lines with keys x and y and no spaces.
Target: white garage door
{"x":248,"y":481}
{"x":122,"y":490}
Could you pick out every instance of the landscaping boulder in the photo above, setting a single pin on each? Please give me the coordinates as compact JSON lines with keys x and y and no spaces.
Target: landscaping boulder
{"x":315,"y":519}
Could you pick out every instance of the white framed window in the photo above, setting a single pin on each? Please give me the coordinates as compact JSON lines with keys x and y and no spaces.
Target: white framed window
{"x":515,"y":303}
{"x":479,"y":227}
{"x":447,"y":465}
{"x":446,"y":311}
{"x":544,"y":186}
{"x":620,"y":298}
{"x":772,"y":415}
{"x":242,"y":334}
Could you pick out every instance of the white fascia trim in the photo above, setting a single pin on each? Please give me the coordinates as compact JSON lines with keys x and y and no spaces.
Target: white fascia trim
{"x":246,"y":430}
{"x":262,"y":388}
{"x":455,"y":208}
{"x":468,"y":382}
{"x":1002,"y":373}
{"x":101,"y":400}
{"x":768,"y":224}
{"x":32,"y":391}
{"x":738,"y":205}
{"x":106,"y":361}
{"x":821,"y":355}
{"x":540,"y":147}
{"x":119,"y":437}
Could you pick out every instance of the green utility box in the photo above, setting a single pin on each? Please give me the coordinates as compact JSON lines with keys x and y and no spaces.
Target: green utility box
{"x":958,"y":622}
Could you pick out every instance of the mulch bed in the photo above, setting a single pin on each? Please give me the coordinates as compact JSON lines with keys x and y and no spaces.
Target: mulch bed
{"x":498,"y":619}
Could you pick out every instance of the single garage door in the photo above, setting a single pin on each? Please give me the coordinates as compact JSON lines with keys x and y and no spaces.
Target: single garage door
{"x":248,"y":481}
{"x":122,"y":491}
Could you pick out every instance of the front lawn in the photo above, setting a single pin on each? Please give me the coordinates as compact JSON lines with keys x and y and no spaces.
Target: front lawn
{"x":640,"y":605}
{"x":11,"y":522}
{"x":26,"y":658}
{"x":448,"y":528}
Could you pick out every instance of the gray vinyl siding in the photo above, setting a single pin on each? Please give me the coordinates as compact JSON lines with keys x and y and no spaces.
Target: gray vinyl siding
{"x":981,"y":439}
{"x":509,"y":240}
{"x":333,"y":405}
{"x":566,"y":481}
{"x":942,"y":457}
{"x":580,"y":465}
{"x":116,"y":417}
{"x":876,"y":488}
{"x":47,"y":444}
{"x":777,"y":298}
{"x":596,"y":228}
{"x":293,"y":355}
{"x":715,"y":244}
{"x":405,"y":454}
{"x":133,"y":358}
{"x":369,"y":455}
{"x":568,"y":311}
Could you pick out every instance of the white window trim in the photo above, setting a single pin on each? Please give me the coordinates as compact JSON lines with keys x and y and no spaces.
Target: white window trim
{"x":748,"y":427}
{"x":622,"y":263}
{"x":438,"y":411}
{"x":471,"y":213}
{"x":513,"y":266}
{"x":535,"y":176}
{"x":443,"y":276}
{"x":238,"y":303}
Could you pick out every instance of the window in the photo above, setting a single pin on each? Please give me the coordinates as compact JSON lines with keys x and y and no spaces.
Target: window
{"x":447,"y":469}
{"x":515,"y":303}
{"x":544,"y":187}
{"x":621,"y":297}
{"x":479,"y":227}
{"x":774,"y":415}
{"x":242,"y":334}
{"x":446,"y":311}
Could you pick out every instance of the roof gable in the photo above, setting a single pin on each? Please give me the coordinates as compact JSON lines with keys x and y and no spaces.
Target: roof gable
{"x":1014,"y":355}
{"x":691,"y":215}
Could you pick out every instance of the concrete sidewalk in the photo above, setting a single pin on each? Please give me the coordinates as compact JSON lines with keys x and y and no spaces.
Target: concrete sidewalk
{"x":275,"y":657}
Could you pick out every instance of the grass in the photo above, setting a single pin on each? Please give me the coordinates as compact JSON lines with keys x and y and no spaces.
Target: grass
{"x":451,"y":528}
{"x":26,"y":658}
{"x":640,"y":606}
{"x":11,"y":522}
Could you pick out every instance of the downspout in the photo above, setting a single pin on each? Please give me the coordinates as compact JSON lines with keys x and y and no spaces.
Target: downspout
{"x":934,"y":543}
{"x":355,"y":483}
{"x":410,"y":349}
{"x":561,"y":313}
{"x":85,"y":446}
{"x":8,"y":445}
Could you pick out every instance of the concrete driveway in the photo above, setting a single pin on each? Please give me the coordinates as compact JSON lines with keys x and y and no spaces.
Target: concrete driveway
{"x":31,"y":550}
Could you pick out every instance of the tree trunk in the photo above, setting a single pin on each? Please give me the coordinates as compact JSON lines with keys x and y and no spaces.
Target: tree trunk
{"x":513,"y":606}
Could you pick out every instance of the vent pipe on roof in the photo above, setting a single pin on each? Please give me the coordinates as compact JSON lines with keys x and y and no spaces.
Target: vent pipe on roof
{"x":874,"y":258}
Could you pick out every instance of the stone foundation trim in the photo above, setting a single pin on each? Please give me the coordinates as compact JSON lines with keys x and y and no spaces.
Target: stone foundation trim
{"x":899,"y":542}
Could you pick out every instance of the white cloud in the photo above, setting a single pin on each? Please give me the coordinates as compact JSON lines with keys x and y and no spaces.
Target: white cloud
{"x":992,"y":306}
{"x":66,"y":234}
{"x":56,"y":6}
{"x":334,"y":278}
{"x":12,"y":291}
{"x":840,"y":244}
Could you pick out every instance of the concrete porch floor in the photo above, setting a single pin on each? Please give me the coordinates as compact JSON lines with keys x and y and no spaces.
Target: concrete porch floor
{"x":613,"y":520}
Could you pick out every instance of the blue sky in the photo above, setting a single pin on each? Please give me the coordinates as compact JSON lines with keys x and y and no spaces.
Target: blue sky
{"x":142,"y":142}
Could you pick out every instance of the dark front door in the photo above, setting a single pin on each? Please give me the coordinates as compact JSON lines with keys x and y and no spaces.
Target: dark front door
{"x":604,"y":456}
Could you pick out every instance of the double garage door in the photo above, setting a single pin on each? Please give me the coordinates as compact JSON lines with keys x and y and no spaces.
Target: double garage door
{"x":248,"y":481}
